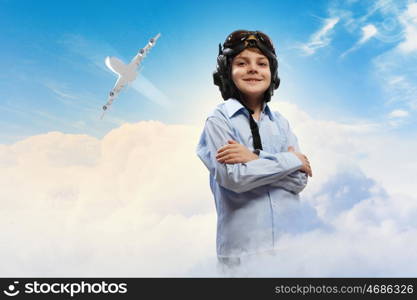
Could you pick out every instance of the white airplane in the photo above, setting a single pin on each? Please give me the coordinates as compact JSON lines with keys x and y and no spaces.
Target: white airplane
{"x":127,"y":73}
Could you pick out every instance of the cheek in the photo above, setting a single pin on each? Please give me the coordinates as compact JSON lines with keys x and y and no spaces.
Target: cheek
{"x":236,"y":73}
{"x":267,"y":75}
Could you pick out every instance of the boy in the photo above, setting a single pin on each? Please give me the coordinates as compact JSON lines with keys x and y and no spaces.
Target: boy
{"x":252,"y":155}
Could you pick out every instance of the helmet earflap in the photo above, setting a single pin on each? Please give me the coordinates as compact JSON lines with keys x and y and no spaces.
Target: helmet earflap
{"x":221,"y":76}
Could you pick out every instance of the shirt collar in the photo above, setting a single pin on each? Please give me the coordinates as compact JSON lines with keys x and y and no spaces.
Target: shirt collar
{"x":233,"y":106}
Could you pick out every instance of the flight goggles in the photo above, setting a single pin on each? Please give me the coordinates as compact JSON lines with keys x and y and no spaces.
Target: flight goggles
{"x":241,"y":39}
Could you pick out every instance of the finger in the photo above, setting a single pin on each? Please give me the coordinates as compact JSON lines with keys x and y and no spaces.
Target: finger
{"x":220,"y":150}
{"x":222,"y":153}
{"x":306,"y":169}
{"x":232,"y":142}
{"x":227,"y":147}
{"x":225,"y":152}
{"x":231,"y":158}
{"x":223,"y":158}
{"x":223,"y":148}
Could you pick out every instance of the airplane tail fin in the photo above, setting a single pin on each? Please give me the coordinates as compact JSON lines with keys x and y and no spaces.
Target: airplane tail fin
{"x":116,"y":65}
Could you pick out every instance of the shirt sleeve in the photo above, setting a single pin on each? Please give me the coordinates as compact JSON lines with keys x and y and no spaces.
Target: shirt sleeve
{"x":295,"y":182}
{"x":241,"y":177}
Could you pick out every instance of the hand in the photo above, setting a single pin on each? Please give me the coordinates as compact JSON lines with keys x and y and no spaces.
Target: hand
{"x":306,"y":164}
{"x":234,"y":153}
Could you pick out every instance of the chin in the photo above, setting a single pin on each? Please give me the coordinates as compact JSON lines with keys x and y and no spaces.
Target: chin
{"x":253,"y":92}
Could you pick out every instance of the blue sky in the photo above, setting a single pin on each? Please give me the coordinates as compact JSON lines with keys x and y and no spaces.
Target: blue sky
{"x":54,"y":76}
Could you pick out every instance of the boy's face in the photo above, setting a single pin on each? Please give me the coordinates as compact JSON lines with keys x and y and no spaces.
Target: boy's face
{"x":251,"y":73}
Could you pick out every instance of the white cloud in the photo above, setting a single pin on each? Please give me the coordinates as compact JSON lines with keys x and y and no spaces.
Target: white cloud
{"x":78,"y":201}
{"x":384,"y":14}
{"x":395,"y":68}
{"x":368,"y":32}
{"x":320,"y":38}
{"x":59,"y":89}
{"x":396,"y":74}
{"x":409,"y":20}
{"x":397,"y":117}
{"x":138,"y":203}
{"x":338,"y":147}
{"x":398,"y":113}
{"x":383,"y":20}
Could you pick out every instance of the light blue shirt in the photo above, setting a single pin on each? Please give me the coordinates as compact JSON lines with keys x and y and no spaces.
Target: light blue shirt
{"x":254,"y":200}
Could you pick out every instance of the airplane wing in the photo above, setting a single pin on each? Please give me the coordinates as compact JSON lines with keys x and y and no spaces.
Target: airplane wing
{"x":120,"y":84}
{"x":125,"y":74}
{"x":144,"y":51}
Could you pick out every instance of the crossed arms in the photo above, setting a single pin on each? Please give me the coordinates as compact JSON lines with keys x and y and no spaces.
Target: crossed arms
{"x":236,"y":168}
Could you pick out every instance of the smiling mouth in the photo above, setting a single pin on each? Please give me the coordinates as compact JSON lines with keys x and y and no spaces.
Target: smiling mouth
{"x":252,"y":80}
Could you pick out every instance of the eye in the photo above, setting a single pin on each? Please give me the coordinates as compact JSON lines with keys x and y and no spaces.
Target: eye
{"x":264,"y":64}
{"x":240,"y":63}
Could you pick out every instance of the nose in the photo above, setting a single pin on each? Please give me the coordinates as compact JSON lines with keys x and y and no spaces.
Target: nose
{"x":252,"y":68}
